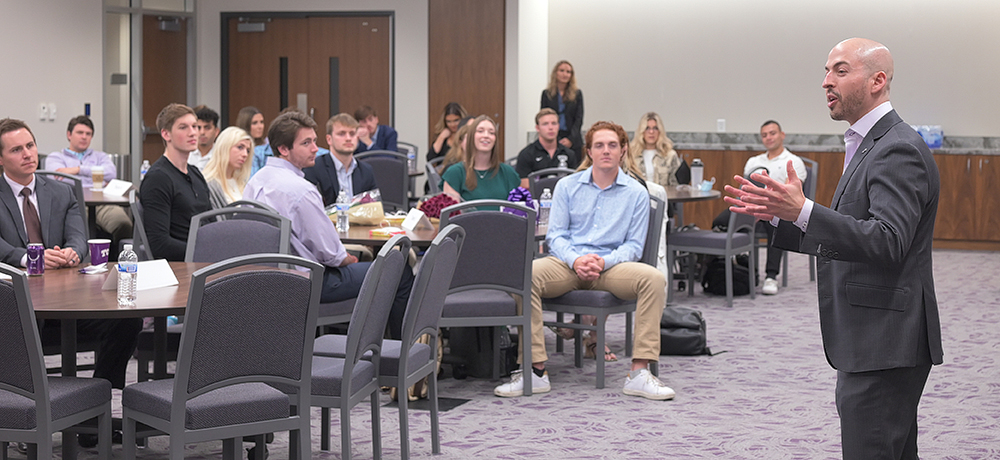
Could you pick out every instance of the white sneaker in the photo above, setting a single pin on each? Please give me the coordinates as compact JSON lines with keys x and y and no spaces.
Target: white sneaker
{"x":644,"y":384}
{"x":516,"y":385}
{"x":770,"y":286}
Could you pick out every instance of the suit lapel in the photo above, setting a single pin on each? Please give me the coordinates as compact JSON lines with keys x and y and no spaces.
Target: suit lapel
{"x":10,"y":202}
{"x":881,"y":127}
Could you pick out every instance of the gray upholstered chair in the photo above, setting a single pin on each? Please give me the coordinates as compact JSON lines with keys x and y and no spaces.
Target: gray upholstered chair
{"x":495,"y":263}
{"x":243,"y":230}
{"x":33,"y":406}
{"x":433,"y":176}
{"x":344,"y":382}
{"x":406,"y":361}
{"x":546,"y":178}
{"x":77,"y":185}
{"x":246,"y":334}
{"x":392,"y":174}
{"x":739,"y":238}
{"x":603,"y":303}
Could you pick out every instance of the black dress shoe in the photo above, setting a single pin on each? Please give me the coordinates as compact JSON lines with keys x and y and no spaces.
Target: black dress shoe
{"x":252,"y":453}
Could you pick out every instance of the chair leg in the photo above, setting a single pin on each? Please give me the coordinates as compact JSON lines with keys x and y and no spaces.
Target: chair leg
{"x":559,"y":341}
{"x":377,"y":420}
{"x":599,"y":349}
{"x":103,"y":433}
{"x":496,"y":352}
{"x":578,"y":343}
{"x":526,"y":356}
{"x":729,"y":281}
{"x":435,"y":429}
{"x":324,"y":429}
{"x":692,"y":259}
{"x":753,"y":276}
{"x":628,"y":333}
{"x":3,"y":450}
{"x":404,"y":417}
{"x":128,"y":436}
{"x":784,"y":269}
{"x":345,"y":430}
{"x":230,"y":449}
{"x":304,"y":446}
{"x":654,"y":368}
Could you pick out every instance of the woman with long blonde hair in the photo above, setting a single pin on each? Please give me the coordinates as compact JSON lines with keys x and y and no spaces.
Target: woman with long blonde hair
{"x":654,"y":151}
{"x":228,"y":170}
{"x":563,"y":96}
{"x":482,"y":174}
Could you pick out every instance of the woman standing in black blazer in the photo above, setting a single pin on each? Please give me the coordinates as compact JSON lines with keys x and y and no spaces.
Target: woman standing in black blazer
{"x":566,"y":99}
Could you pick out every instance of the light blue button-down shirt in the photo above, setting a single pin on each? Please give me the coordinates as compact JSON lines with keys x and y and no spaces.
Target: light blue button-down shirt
{"x":611,"y":223}
{"x":282,"y":186}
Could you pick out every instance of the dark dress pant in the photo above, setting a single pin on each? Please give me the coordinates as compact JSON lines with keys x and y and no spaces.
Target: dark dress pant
{"x":342,"y":283}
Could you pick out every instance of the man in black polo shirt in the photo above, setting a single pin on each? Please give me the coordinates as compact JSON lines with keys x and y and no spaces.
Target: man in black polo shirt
{"x":544,"y":152}
{"x":173,"y":191}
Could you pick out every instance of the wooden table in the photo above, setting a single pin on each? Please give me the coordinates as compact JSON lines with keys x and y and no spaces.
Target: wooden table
{"x":93,"y":200}
{"x":359,"y":234}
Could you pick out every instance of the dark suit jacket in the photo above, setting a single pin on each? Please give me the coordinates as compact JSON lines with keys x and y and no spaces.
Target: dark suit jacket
{"x":324,"y":175}
{"x":58,"y":211}
{"x":574,"y":118}
{"x":875,"y":283}
{"x":385,"y":140}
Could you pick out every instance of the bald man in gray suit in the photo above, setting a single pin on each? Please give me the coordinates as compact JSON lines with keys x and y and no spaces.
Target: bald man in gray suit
{"x":878,"y":309}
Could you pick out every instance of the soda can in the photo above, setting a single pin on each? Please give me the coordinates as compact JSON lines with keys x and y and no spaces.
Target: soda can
{"x":36,"y":259}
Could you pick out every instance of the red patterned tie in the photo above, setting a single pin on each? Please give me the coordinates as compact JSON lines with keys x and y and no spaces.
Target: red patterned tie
{"x":31,"y":222}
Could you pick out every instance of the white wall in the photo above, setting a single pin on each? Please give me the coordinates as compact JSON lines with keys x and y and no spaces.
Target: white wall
{"x":745,"y":61}
{"x":533,"y":68}
{"x":52,"y":54}
{"x":410,"y":51}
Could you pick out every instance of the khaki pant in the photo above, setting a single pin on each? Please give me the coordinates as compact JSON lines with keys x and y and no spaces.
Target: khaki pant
{"x":551,"y":277}
{"x":114,"y":220}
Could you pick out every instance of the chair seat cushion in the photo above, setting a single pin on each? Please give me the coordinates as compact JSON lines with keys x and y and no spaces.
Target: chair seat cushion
{"x":328,"y":375}
{"x":332,"y":309}
{"x":479,"y":302}
{"x":231,"y":405}
{"x":420,"y":354}
{"x":707,"y":239}
{"x":588,"y":298}
{"x":67,"y":396}
{"x":330,"y":345}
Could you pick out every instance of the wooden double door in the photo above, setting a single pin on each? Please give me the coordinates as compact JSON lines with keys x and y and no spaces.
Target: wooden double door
{"x":323,"y":65}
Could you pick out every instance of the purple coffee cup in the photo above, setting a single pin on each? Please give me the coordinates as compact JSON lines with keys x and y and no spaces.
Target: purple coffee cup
{"x":99,"y":249}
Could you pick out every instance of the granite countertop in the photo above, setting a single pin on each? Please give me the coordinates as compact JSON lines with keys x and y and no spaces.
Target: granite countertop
{"x":952,"y":145}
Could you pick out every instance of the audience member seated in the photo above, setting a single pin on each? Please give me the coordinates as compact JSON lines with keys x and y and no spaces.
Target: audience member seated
{"x":597,"y":229}
{"x":78,"y":159}
{"x":337,"y":169}
{"x":563,"y":96}
{"x":208,"y":130}
{"x":546,"y":152}
{"x":251,"y":120}
{"x":60,"y":228}
{"x":173,"y":191}
{"x":228,"y":170}
{"x":655,"y":153}
{"x":482,"y":174}
{"x":456,"y":154}
{"x":281,"y":184}
{"x":262,"y":152}
{"x":445,"y":129}
{"x":371,"y":135}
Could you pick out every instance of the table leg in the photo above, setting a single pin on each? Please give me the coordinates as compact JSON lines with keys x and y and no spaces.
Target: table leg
{"x":68,"y":346}
{"x":160,"y":347}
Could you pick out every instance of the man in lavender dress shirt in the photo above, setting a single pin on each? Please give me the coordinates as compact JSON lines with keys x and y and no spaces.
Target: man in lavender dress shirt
{"x":281,"y":184}
{"x":77,"y":160}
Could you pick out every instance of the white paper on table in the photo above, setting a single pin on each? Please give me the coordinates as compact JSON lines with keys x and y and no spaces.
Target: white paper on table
{"x":117,"y":187}
{"x":416,"y":219}
{"x":152,"y":274}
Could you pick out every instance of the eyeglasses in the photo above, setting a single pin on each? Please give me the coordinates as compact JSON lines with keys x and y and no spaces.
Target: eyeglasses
{"x":652,"y":128}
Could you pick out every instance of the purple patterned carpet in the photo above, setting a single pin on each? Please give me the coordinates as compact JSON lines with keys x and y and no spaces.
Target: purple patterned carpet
{"x":769,"y":396}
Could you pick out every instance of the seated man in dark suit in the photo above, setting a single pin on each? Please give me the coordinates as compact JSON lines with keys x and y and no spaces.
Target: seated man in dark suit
{"x":40,"y":210}
{"x":337,"y":169}
{"x":371,"y":135}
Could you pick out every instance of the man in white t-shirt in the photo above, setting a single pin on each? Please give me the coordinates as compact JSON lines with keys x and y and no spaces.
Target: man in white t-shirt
{"x":774,"y":161}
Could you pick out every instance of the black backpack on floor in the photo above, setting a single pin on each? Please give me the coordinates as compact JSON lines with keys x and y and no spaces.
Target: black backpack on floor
{"x":682,"y":332}
{"x":714,"y":278}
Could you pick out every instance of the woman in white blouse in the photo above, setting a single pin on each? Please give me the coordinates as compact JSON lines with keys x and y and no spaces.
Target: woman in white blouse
{"x":229,"y":168}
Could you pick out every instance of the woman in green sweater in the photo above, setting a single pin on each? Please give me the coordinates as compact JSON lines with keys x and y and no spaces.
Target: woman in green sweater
{"x":482,"y":174}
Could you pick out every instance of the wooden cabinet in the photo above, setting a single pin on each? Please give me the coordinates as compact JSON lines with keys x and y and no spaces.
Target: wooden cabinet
{"x":968,"y":208}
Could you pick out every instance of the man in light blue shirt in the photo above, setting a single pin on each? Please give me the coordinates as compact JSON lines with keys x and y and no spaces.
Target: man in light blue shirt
{"x":597,"y":229}
{"x":281,"y":185}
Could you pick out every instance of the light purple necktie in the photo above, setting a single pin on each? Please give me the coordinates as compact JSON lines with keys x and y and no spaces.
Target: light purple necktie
{"x":852,"y":139}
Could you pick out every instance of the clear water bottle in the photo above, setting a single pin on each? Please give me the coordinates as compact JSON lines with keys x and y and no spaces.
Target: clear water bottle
{"x":697,"y":172}
{"x":128,"y":266}
{"x":343,"y":207}
{"x":544,"y":206}
{"x":143,"y":169}
{"x":411,"y":160}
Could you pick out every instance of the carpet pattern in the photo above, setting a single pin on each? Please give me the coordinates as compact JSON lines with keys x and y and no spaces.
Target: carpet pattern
{"x":770,"y":395}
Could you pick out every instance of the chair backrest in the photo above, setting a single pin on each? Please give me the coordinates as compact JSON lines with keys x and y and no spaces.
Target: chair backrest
{"x":22,"y":370}
{"x":433,"y":176}
{"x":739,"y":222}
{"x":430,"y":287}
{"x":391,"y":174}
{"x":809,"y":185}
{"x":650,"y":251}
{"x":371,"y":311}
{"x":77,"y":185}
{"x":546,"y":179}
{"x":503,"y":239}
{"x":245,"y":231}
{"x":139,"y":239}
{"x":251,"y":204}
{"x":248,"y":326}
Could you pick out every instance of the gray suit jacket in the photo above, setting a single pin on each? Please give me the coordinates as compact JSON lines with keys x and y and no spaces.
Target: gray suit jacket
{"x":58,"y":211}
{"x":875,"y":283}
